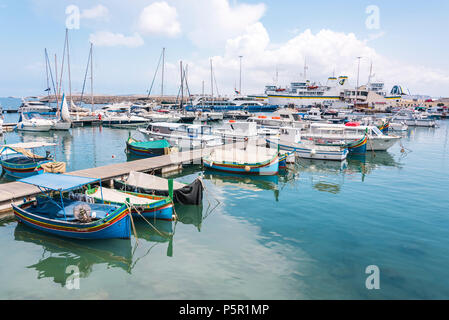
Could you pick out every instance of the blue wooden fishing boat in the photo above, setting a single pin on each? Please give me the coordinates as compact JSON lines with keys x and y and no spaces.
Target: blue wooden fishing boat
{"x":17,"y":162}
{"x":148,"y":148}
{"x":67,"y":216}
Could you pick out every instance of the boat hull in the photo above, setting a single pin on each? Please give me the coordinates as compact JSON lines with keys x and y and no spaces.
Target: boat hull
{"x":19,"y":171}
{"x":373,"y":144}
{"x":145,"y":152}
{"x":116,"y":225}
{"x":268,"y":169}
{"x":60,"y":125}
{"x":162,"y":210}
{"x":307,"y":152}
{"x":40,"y":128}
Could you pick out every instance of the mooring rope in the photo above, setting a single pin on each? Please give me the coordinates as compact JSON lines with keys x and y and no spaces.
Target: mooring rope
{"x":138,"y":212}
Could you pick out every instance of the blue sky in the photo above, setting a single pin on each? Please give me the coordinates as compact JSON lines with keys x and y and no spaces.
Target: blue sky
{"x":408,"y":48}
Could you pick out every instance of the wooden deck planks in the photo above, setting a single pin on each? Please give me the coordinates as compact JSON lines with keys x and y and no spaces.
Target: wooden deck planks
{"x":16,"y":191}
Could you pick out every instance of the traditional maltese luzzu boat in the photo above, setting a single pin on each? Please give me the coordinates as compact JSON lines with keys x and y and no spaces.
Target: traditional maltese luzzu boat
{"x":18,"y":161}
{"x":146,"y":205}
{"x":68,"y":217}
{"x":252,"y":160}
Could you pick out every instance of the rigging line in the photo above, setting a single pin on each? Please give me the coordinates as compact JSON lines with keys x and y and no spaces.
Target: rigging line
{"x":48,"y":81}
{"x":187,"y":87}
{"x":216,"y":86}
{"x":51,"y":73}
{"x":154,"y":77}
{"x":85,"y":75}
{"x":179,"y":90}
{"x":62,"y":66}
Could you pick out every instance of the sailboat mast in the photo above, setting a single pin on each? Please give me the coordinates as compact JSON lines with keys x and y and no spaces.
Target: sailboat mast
{"x":56,"y":76}
{"x":48,"y":82}
{"x":68,"y":64}
{"x":92,"y":76}
{"x":370,"y":73}
{"x":211,"y":81}
{"x":163,"y":67}
{"x":182,"y":83}
{"x":240,"y":83}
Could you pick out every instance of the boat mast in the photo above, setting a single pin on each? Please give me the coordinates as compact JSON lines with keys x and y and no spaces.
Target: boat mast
{"x":357,"y":88}
{"x":240,"y":83}
{"x":48,"y":81}
{"x":211,"y":81}
{"x":56,"y":76}
{"x":182,"y":84}
{"x":163,"y":66}
{"x":68,"y":65}
{"x":370,"y":73}
{"x":92,"y":76}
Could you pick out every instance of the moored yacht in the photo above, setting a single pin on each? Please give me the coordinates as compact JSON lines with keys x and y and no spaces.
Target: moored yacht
{"x":183,"y":135}
{"x":377,"y":141}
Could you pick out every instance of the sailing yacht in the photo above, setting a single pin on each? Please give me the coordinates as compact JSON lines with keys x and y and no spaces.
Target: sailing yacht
{"x":62,"y":121}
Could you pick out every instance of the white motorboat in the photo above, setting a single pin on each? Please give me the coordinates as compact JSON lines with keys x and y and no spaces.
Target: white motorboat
{"x":123,"y":120}
{"x":237,"y":131}
{"x":413,"y":119}
{"x":377,"y":141}
{"x":35,"y":123}
{"x":289,"y":139}
{"x":32,"y":104}
{"x":281,"y":118}
{"x":183,"y":135}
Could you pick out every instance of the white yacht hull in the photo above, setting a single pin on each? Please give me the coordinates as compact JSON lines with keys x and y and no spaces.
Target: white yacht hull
{"x":311,"y":151}
{"x":35,"y":128}
{"x":60,"y":125}
{"x":373,"y":144}
{"x":184,"y":141}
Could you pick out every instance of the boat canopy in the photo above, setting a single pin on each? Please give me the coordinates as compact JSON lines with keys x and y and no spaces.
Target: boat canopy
{"x":156,"y":144}
{"x":58,"y":182}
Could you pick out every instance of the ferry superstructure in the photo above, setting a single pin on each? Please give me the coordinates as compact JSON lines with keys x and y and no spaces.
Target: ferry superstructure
{"x":305,"y":93}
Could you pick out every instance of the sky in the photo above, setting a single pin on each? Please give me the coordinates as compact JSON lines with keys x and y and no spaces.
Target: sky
{"x":404,"y":41}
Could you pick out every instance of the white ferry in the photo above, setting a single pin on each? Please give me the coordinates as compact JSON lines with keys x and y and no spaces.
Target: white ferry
{"x":305,"y":93}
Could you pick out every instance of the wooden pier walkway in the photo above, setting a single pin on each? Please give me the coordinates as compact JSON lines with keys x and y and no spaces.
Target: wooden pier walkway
{"x":17,"y":191}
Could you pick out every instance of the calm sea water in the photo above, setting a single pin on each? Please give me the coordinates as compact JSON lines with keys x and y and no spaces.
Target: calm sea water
{"x":308,"y":233}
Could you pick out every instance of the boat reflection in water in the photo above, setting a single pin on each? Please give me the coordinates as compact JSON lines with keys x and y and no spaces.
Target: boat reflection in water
{"x":59,"y":253}
{"x":247,"y":182}
{"x":367,"y":163}
{"x":331,"y":174}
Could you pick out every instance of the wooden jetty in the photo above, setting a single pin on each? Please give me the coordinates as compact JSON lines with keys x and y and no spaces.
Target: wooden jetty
{"x":16,"y":192}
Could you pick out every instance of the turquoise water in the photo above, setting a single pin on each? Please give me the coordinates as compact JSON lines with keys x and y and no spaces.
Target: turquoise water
{"x":307,"y":234}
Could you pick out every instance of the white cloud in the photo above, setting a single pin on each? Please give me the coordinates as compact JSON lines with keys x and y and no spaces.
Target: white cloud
{"x":212,"y":22}
{"x":325,"y":52}
{"x":97,"y":12}
{"x":109,"y":39}
{"x":159,"y":19}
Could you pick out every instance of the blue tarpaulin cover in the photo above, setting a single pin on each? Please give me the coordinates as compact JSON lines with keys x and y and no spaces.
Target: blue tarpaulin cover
{"x":58,"y":182}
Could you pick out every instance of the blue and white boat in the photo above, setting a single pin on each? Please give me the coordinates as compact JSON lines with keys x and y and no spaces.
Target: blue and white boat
{"x":238,"y":103}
